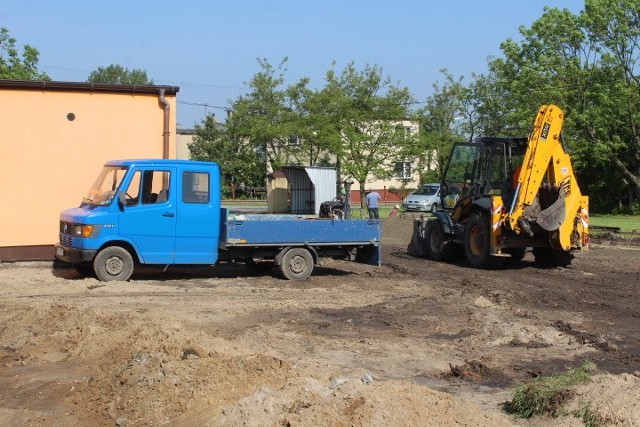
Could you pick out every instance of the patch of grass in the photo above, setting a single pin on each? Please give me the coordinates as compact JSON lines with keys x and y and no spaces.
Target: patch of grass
{"x":588,"y":417}
{"x":627,"y":223}
{"x":546,"y":395}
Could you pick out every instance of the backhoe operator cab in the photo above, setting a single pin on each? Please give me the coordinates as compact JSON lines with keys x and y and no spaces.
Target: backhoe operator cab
{"x":501,"y":196}
{"x":486,"y":166}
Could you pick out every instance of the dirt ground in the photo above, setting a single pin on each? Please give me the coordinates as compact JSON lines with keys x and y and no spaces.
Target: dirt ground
{"x":413,"y":342}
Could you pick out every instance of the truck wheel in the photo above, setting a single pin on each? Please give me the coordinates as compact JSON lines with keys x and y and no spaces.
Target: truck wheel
{"x":113,"y":263}
{"x":297,"y":264}
{"x":477,"y":240}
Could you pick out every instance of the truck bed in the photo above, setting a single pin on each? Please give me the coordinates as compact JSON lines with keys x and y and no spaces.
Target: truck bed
{"x":279,"y":230}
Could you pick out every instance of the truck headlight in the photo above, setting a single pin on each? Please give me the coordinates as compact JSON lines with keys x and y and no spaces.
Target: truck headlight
{"x":85,"y":231}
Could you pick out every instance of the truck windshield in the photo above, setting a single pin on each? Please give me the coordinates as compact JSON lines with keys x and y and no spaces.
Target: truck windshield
{"x":105,"y":186}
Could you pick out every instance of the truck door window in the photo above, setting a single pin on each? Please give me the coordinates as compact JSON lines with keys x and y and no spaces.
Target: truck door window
{"x":195,"y":187}
{"x":155,"y":187}
{"x":150,"y":187}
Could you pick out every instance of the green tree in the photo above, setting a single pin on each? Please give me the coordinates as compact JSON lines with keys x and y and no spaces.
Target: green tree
{"x":117,"y":74}
{"x":366,"y":111}
{"x":241,"y":166}
{"x":588,"y":65}
{"x":446,"y":117}
{"x":263,"y":118}
{"x":14,"y":66}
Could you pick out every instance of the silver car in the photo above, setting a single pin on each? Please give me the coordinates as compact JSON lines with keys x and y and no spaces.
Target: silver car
{"x":424,"y":199}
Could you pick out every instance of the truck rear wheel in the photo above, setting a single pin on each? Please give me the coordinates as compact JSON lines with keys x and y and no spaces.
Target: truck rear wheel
{"x":113,"y":263}
{"x":477,"y":240}
{"x":297,"y":264}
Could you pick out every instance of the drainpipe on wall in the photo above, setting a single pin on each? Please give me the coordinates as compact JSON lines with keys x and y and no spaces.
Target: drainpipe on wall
{"x":165,"y":132}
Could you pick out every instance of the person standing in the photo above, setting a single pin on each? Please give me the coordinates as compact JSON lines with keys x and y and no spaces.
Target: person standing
{"x":373,"y":200}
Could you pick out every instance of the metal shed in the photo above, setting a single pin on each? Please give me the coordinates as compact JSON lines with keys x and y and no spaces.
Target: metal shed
{"x":310,"y":186}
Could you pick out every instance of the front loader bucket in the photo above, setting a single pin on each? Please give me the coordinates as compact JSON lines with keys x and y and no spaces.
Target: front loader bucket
{"x":417,"y":246}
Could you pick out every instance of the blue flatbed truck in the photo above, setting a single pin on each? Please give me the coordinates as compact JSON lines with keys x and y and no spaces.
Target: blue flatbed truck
{"x":167,"y":212}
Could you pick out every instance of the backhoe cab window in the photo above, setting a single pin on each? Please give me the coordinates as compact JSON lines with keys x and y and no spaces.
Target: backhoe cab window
{"x":464,"y":169}
{"x":105,"y":186}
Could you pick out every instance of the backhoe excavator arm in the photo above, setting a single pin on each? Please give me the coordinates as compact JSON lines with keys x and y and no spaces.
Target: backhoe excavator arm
{"x":546,"y":162}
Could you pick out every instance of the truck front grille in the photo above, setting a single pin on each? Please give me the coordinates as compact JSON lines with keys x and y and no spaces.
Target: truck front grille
{"x":65,"y":239}
{"x":66,"y":228}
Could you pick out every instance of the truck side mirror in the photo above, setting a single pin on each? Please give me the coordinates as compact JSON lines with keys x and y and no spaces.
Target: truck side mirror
{"x":122,"y":201}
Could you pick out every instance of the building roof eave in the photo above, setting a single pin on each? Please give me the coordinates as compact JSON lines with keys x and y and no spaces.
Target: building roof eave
{"x":85,"y":87}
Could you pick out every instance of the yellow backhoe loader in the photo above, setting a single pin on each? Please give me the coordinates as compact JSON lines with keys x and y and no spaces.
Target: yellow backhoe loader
{"x":501,"y":196}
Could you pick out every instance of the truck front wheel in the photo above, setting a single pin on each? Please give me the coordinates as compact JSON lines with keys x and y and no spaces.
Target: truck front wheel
{"x":113,"y":263}
{"x":297,"y":264}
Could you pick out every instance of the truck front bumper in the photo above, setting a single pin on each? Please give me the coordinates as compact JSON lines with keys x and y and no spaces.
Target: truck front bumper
{"x":73,"y":255}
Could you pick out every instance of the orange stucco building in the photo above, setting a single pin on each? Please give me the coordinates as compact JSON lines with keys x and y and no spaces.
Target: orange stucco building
{"x":56,"y":136}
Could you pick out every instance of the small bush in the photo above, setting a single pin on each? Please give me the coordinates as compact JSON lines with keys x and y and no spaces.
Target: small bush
{"x":546,"y":395}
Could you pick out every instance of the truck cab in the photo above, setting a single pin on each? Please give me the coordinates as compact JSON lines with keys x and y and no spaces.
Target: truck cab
{"x":158,"y":212}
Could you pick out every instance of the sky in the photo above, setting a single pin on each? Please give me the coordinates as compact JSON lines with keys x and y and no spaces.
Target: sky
{"x":210,"y":48}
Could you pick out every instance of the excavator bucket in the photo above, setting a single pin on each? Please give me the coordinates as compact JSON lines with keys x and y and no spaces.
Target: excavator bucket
{"x":552,"y":217}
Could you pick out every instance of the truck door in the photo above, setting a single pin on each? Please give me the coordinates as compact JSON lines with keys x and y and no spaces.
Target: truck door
{"x":149,"y":215}
{"x":198,"y":221}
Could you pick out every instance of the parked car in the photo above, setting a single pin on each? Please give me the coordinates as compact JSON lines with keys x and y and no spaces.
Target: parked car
{"x":424,"y":199}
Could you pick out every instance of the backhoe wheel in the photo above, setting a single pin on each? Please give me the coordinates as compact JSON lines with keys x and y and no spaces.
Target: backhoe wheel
{"x":437,"y":248}
{"x":113,"y":263}
{"x":297,"y":264}
{"x":548,"y":258}
{"x":477,"y":240}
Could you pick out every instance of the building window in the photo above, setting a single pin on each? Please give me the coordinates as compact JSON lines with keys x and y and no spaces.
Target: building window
{"x":403,"y":170}
{"x":404,"y":132}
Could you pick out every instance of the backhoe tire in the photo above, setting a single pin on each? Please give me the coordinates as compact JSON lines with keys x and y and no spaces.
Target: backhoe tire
{"x":437,"y":248}
{"x":297,"y":264}
{"x":549,"y":258}
{"x":113,"y":263}
{"x":477,"y":240}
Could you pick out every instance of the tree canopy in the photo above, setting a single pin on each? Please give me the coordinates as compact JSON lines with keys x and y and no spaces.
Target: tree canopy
{"x":586,"y":63}
{"x":243,"y":167}
{"x":117,"y":74}
{"x":16,"y":66}
{"x":351,"y":122}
